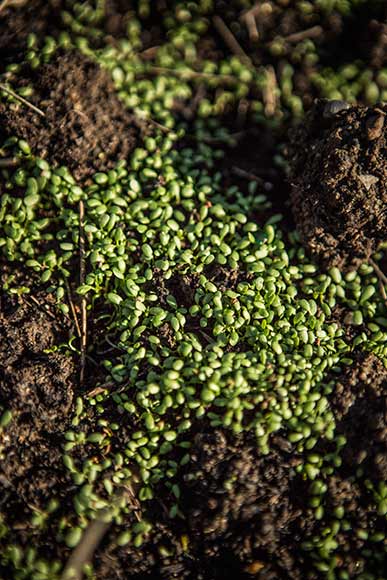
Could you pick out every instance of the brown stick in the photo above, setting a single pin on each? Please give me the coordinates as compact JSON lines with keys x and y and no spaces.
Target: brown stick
{"x":251,"y":25}
{"x":84,"y":552}
{"x":4,"y":5}
{"x":162,"y":128}
{"x":382,"y":279}
{"x":82,"y":275}
{"x":230,"y":39}
{"x":21,"y":99}
{"x":313,"y":32}
{"x":42,"y":308}
{"x":254,"y":14}
{"x":8,"y":3}
{"x":74,"y":312}
{"x":254,"y":11}
{"x":93,"y":535}
{"x":269,"y":92}
{"x":247,"y":175}
{"x":149,"y":53}
{"x":9,"y":162}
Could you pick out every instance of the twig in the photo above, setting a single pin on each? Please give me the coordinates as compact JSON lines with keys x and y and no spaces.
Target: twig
{"x":254,"y":10}
{"x":252,"y":27}
{"x":44,"y":308}
{"x":93,"y":535}
{"x":382,"y":279}
{"x":9,"y":162}
{"x":4,"y":5}
{"x":247,"y":175}
{"x":98,"y":390}
{"x":248,"y":17}
{"x":8,"y":3}
{"x":163,"y":128}
{"x":313,"y":32}
{"x":269,"y":91}
{"x":84,"y":552}
{"x":230,"y":39}
{"x":21,"y":99}
{"x":74,"y":313}
{"x":149,"y":53}
{"x":82,"y":274}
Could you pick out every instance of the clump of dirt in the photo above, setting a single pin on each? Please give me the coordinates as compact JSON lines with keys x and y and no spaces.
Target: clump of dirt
{"x":86,"y":127}
{"x":244,"y":510}
{"x":359,"y":402}
{"x":339,"y":186}
{"x":38,"y":387}
{"x":244,"y":518}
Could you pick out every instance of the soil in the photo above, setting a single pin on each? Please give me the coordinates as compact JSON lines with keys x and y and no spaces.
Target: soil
{"x":86,"y":127}
{"x":339,"y":190}
{"x":359,"y":398}
{"x":244,"y":509}
{"x":358,"y":402}
{"x":243,"y":518}
{"x":38,"y":385}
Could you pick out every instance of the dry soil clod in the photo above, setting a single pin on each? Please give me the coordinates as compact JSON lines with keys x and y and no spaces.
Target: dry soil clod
{"x":339,"y":185}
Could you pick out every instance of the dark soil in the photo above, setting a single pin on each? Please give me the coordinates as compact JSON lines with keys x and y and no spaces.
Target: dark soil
{"x":38,"y":386}
{"x":244,"y":518}
{"x":86,"y":127}
{"x":245,"y":509}
{"x":339,"y":190}
{"x":360,"y":402}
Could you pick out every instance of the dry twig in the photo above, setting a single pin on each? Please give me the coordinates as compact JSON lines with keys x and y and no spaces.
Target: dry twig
{"x":247,"y":175}
{"x":313,"y":32}
{"x":43,"y":309}
{"x":9,"y":3}
{"x":82,"y":275}
{"x":270,"y":92}
{"x":230,"y":39}
{"x":74,"y":312}
{"x":382,"y":279}
{"x":21,"y":99}
{"x":93,"y":535}
{"x":249,"y":18}
{"x":84,"y":552}
{"x":149,"y":53}
{"x":252,"y":17}
{"x":9,"y":162}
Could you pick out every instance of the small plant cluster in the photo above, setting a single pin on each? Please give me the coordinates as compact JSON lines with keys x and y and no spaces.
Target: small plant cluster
{"x":177,"y":73}
{"x":211,"y":318}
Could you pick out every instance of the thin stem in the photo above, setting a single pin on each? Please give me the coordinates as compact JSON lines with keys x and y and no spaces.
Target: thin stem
{"x":21,"y":99}
{"x":74,"y":313}
{"x":230,"y":39}
{"x":82,"y":275}
{"x":9,"y":162}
